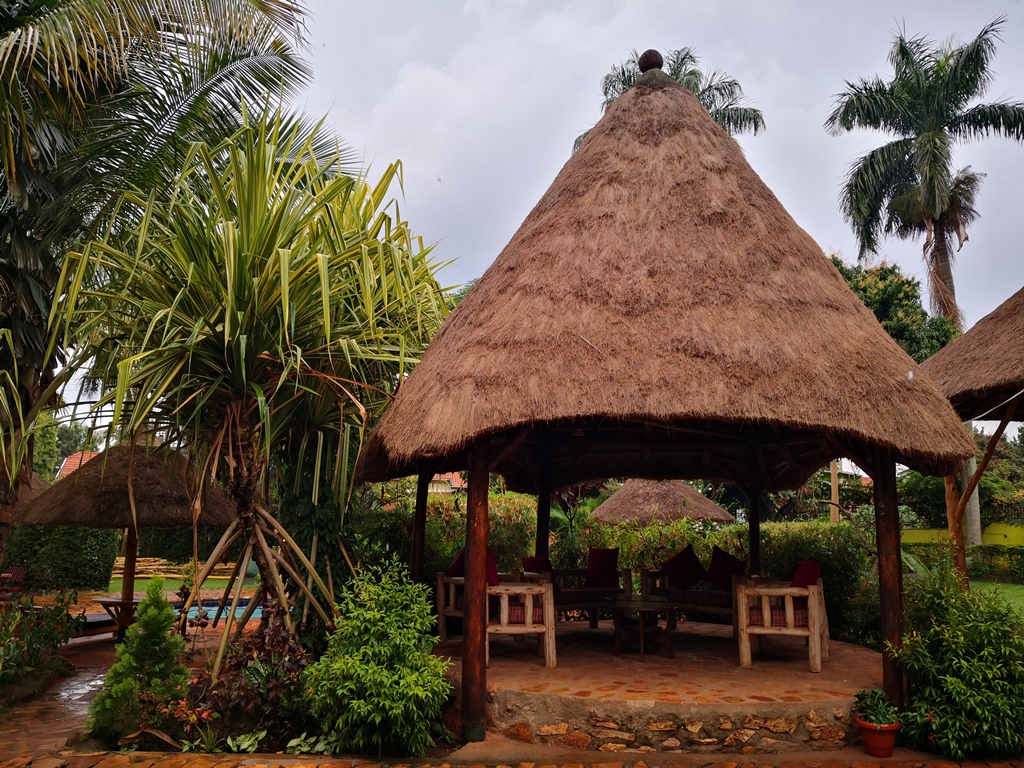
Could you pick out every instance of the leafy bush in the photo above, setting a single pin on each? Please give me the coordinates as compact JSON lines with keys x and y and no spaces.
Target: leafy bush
{"x":964,"y":658}
{"x":63,"y":557}
{"x":378,"y":687}
{"x":988,"y":562}
{"x":259,"y":687}
{"x":30,"y":636}
{"x":862,"y":615}
{"x":142,"y":686}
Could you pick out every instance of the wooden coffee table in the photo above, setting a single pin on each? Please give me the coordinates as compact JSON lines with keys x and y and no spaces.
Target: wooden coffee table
{"x":645,"y":626}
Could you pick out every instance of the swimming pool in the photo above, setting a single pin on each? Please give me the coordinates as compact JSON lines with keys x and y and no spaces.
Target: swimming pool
{"x":210,"y":607}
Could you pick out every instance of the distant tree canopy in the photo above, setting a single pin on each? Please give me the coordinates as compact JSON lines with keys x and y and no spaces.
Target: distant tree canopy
{"x":896,"y":301}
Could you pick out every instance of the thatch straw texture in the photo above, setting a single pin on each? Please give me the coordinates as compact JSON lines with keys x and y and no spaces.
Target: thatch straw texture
{"x":983,"y":369}
{"x":96,"y":494}
{"x":644,"y":501}
{"x":656,"y":315}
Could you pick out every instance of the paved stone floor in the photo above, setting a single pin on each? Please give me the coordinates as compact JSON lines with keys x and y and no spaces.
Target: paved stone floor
{"x":47,"y":733}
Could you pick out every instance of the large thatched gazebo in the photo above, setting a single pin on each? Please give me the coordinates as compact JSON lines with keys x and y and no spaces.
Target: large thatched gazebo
{"x":643,"y":501}
{"x":659,"y":314}
{"x":982,"y":374}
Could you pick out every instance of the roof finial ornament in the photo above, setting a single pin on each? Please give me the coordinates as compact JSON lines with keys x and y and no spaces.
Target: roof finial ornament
{"x":650,"y":59}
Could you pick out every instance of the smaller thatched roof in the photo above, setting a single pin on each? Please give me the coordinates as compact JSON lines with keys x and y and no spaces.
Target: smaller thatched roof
{"x":646,"y":500}
{"x":30,"y":486}
{"x":984,"y":369}
{"x":96,"y":494}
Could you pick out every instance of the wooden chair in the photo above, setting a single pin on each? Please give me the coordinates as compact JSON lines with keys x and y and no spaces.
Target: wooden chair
{"x":525,"y":609}
{"x":776,"y":608}
{"x":449,"y":601}
{"x":12,"y":580}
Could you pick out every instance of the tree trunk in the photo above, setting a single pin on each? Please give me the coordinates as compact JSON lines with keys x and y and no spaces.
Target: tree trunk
{"x":244,"y":491}
{"x":940,"y":277}
{"x":972,"y":513}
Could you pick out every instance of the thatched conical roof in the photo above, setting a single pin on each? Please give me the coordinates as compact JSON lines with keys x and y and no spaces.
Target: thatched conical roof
{"x":984,"y":369}
{"x":659,"y":314}
{"x":96,"y":494}
{"x":642,"y":501}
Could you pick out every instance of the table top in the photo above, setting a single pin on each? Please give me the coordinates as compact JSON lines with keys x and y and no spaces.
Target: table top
{"x":642,"y":603}
{"x":116,"y":601}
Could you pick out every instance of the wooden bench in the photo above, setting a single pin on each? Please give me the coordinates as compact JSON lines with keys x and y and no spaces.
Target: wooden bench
{"x":775,"y":608}
{"x":655,"y":582}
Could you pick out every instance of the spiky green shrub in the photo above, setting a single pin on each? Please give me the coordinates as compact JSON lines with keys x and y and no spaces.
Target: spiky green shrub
{"x":378,"y":688}
{"x":147,"y":679}
{"x":964,"y":658}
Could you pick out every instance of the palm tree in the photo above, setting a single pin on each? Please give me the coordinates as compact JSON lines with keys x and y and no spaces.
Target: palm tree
{"x":264,"y":304}
{"x":720,"y":94}
{"x":908,"y":186}
{"x":95,"y":94}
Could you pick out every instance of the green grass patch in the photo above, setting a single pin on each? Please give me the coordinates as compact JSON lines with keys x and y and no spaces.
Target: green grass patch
{"x":1014,"y":593}
{"x":214,"y":582}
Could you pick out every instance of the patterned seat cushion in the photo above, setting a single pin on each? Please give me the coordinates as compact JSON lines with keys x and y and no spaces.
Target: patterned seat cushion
{"x":779,"y":617}
{"x":517,"y":613}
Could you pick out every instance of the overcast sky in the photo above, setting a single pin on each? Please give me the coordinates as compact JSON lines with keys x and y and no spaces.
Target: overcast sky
{"x":481,"y":100}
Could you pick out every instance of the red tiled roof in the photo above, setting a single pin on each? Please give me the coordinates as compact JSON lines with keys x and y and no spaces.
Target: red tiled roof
{"x":74,"y":461}
{"x":453,"y":478}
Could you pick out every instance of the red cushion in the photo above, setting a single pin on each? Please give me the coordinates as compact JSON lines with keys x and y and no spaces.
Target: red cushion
{"x":805,"y":573}
{"x":779,"y":616}
{"x":723,"y":567}
{"x":684,"y":570}
{"x":537,"y":564}
{"x":458,"y":567}
{"x":603,"y":568}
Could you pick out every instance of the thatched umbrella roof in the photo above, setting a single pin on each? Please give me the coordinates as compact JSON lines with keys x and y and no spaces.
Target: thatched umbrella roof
{"x":645,"y":500}
{"x":96,"y":494}
{"x":660,"y":314}
{"x":981,"y":371}
{"x":29,"y":489}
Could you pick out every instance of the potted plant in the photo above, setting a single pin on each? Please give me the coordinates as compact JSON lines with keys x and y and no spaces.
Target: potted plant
{"x":878,"y":720}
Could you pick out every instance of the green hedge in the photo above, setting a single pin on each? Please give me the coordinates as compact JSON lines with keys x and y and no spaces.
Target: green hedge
{"x":176,"y":545}
{"x":74,"y":558}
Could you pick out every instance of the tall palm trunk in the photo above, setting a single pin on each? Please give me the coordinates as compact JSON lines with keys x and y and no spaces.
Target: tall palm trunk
{"x":943,"y":299}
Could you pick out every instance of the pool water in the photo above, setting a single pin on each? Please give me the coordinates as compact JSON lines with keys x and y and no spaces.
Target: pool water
{"x":210,"y":607}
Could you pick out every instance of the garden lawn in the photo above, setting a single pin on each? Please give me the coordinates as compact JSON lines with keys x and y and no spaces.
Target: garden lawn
{"x":1014,"y":593}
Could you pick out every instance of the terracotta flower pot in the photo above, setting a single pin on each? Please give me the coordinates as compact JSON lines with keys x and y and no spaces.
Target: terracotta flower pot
{"x":879,"y":740}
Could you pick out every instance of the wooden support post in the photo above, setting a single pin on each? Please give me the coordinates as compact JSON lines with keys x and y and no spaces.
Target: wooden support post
{"x":131,"y":554}
{"x":890,"y":567}
{"x":419,"y":525}
{"x":754,"y":530}
{"x":543,"y":522}
{"x":474,"y":657}
{"x":834,"y":513}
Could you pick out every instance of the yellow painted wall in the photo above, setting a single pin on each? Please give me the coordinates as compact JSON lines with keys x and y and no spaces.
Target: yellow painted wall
{"x":996,"y":533}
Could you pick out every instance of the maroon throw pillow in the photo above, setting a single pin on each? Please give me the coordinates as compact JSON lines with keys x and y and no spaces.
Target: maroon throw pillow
{"x":537,"y":564}
{"x":603,"y":568}
{"x":805,"y":573}
{"x":684,"y":569}
{"x":723,"y":567}
{"x":458,"y":567}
